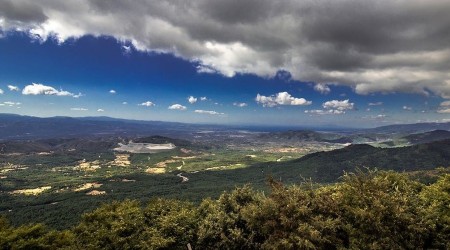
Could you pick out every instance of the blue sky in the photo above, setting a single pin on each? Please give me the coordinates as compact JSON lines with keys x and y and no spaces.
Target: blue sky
{"x":49,"y":68}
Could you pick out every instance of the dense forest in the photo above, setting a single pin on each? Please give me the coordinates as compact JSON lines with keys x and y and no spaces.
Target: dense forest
{"x":367,"y":210}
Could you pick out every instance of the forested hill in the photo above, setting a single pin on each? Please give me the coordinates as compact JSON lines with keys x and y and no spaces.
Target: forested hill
{"x":426,"y":137}
{"x":409,"y":128}
{"x":329,"y":166}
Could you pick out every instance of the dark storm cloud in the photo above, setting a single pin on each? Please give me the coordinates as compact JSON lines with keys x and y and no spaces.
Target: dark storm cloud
{"x":237,"y":11}
{"x":380,"y":26}
{"x":21,"y":11}
{"x":372,"y":46}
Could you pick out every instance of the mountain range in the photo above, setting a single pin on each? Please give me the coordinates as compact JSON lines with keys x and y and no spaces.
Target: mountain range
{"x":28,"y":127}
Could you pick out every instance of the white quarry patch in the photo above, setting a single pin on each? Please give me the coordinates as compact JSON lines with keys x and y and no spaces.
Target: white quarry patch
{"x":134,"y":147}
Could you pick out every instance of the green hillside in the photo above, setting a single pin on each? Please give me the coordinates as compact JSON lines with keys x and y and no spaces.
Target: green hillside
{"x":435,"y":135}
{"x":328,"y":166}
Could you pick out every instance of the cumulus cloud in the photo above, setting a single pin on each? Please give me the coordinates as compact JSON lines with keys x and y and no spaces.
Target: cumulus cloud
{"x":375,"y":103}
{"x":338,"y":105}
{"x":203,"y":98}
{"x":375,"y":46}
{"x":79,"y":109}
{"x":100,"y":110}
{"x":282,"y":98}
{"x":177,"y":107}
{"x":13,"y":88}
{"x":192,"y":99}
{"x":240,"y":104}
{"x":1,"y":92}
{"x":444,"y":107}
{"x":333,"y":107}
{"x":124,"y":103}
{"x":40,"y":89}
{"x":209,"y":112}
{"x":112,"y":91}
{"x":147,"y":104}
{"x":444,"y":110}
{"x":322,"y":88}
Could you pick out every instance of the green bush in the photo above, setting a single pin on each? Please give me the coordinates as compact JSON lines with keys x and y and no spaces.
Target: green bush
{"x":33,"y":236}
{"x":367,"y":210}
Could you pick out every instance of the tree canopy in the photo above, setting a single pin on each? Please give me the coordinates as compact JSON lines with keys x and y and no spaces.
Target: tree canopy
{"x":367,"y":210}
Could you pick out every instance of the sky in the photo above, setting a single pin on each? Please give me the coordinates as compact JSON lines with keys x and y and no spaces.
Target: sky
{"x":330,"y":63}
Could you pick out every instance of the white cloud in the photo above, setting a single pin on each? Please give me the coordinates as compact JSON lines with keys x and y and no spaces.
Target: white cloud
{"x":112,"y":91}
{"x":444,"y":110}
{"x":177,"y":107}
{"x":40,"y":89}
{"x":1,"y":92}
{"x":375,"y":117}
{"x":333,"y":107}
{"x":203,"y":98}
{"x":282,"y":98}
{"x":445,"y":104}
{"x":240,"y":104}
{"x":10,"y":104}
{"x":322,"y":88}
{"x":209,"y":112}
{"x":13,"y":88}
{"x":325,"y":112}
{"x":78,"y":95}
{"x":147,"y":104}
{"x":407,"y":108}
{"x":444,"y":107}
{"x":192,"y":99}
{"x":124,"y":103}
{"x":206,"y":69}
{"x":338,"y":105}
{"x":100,"y":110}
{"x":375,"y":103}
{"x":78,"y":109}
{"x":126,"y":49}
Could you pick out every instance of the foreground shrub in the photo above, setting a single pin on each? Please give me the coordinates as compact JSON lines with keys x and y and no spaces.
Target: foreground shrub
{"x":222,"y":223}
{"x":371,"y":210}
{"x":381,"y":211}
{"x":34,"y":236}
{"x":436,"y":203}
